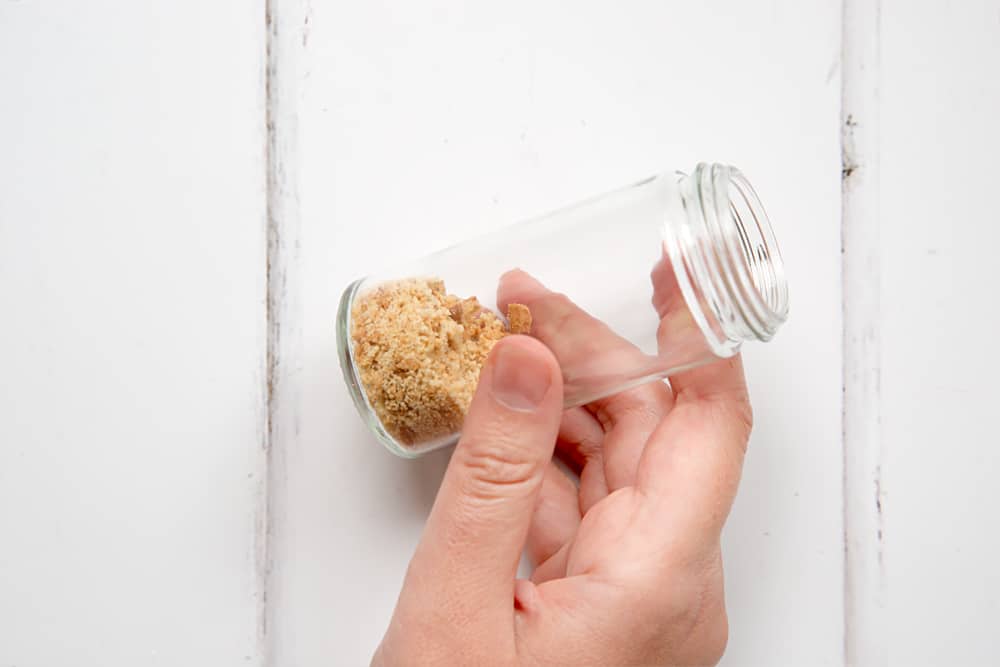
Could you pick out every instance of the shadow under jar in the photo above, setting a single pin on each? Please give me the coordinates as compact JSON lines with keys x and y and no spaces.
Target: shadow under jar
{"x":632,"y":286}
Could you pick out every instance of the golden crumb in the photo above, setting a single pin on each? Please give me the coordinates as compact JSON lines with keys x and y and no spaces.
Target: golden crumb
{"x":519,"y":317}
{"x":419,"y":350}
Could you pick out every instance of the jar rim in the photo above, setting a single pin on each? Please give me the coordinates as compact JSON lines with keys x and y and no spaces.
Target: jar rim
{"x":726,"y":258}
{"x":765,"y":265}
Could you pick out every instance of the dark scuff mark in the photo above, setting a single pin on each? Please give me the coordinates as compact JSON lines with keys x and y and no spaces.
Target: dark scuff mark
{"x":306,"y":29}
{"x":879,"y":514}
{"x":848,"y":162}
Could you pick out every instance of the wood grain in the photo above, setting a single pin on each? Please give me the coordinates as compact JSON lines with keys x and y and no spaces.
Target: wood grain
{"x":864,"y":452}
{"x":286,"y":26}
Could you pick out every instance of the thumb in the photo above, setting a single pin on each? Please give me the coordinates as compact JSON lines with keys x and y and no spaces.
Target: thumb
{"x":477,"y":528}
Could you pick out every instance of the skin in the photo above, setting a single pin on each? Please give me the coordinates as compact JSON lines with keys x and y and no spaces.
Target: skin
{"x":629,"y":568}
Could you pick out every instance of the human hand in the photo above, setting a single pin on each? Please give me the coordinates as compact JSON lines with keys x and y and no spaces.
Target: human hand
{"x":629,"y":568}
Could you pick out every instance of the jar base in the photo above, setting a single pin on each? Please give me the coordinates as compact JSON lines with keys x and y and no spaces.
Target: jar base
{"x":345,"y":352}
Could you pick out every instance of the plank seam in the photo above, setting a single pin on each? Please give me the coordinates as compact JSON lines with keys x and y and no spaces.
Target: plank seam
{"x":863,"y":449}
{"x":287,"y":28}
{"x":263,"y":528}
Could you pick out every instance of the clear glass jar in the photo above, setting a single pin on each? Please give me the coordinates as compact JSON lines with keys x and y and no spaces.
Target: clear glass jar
{"x":628,"y":287}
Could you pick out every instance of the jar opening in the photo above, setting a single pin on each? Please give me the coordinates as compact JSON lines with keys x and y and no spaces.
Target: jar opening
{"x":730,"y":260}
{"x":761,"y":256}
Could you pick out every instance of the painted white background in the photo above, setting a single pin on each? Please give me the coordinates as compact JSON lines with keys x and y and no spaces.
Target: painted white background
{"x":132,"y":265}
{"x":185,"y":189}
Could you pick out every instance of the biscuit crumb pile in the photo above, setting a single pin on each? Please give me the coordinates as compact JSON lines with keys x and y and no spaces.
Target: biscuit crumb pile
{"x":418,"y":352}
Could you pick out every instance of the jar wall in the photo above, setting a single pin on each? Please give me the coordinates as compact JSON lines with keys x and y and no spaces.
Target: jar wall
{"x":603,"y":289}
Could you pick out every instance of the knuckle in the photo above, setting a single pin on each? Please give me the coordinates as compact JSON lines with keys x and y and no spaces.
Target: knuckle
{"x":496,"y":472}
{"x":590,"y":448}
{"x":633,"y":405}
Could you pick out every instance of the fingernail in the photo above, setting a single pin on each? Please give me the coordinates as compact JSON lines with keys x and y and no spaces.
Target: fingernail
{"x":520,"y":379}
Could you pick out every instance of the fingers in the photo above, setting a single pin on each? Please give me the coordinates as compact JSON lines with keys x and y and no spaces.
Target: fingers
{"x":473,"y":539}
{"x":556,"y":516}
{"x":628,"y":419}
{"x":722,"y":381}
{"x":667,"y":294}
{"x":580,"y":445}
{"x":678,"y":333}
{"x":554,"y":567}
{"x":586,"y":348}
{"x":580,"y":438}
{"x":692,"y":464}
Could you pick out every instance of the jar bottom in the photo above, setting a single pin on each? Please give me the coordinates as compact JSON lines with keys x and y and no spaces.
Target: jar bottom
{"x":345,"y":346}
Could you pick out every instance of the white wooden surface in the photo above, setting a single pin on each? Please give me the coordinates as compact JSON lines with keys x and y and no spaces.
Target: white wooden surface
{"x":420,"y":123}
{"x":940,"y":99}
{"x":131,"y":332}
{"x":185,"y":188}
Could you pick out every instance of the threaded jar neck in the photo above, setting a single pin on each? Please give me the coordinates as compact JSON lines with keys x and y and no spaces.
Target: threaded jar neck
{"x":733,"y":272}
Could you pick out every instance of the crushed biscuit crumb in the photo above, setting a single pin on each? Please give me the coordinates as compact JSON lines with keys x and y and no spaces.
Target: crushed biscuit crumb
{"x":418,"y":352}
{"x":519,"y":317}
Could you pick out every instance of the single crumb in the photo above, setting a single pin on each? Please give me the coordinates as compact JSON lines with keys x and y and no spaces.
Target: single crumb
{"x":519,"y":317}
{"x":419,"y":350}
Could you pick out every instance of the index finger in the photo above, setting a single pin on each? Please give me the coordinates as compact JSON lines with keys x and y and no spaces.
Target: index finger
{"x":590,"y":354}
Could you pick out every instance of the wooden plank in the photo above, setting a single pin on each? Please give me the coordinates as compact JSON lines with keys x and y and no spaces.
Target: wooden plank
{"x":286,"y":23}
{"x":939,"y":138}
{"x":422,"y":123}
{"x":864,"y":489}
{"x":131,"y":291}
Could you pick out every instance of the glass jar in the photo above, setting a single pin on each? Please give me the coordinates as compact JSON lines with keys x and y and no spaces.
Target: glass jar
{"x":628,"y":287}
